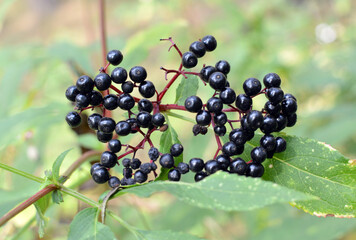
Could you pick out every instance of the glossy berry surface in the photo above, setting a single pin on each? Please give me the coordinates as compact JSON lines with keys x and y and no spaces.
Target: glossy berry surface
{"x":223,"y":161}
{"x":73,"y":119}
{"x":158,"y":119}
{"x":144,"y":119}
{"x":95,"y":98}
{"x":217,"y":81}
{"x":281,"y":145}
{"x":153,"y":153}
{"x":228,"y":96}
{"x":238,"y":136}
{"x":289,"y":106}
{"x":223,"y":66}
{"x":147,"y":89}
{"x":193,"y":104}
{"x":108,"y":159}
{"x":200,"y":176}
{"x":126,"y":101}
{"x":135,"y":163}
{"x":255,"y":119}
{"x":183,"y":167}
{"x":119,"y":75}
{"x":209,"y":42}
{"x":230,"y":149}
{"x":255,"y":170}
{"x":238,"y":165}
{"x":220,"y":118}
{"x":123,"y":128}
{"x":104,"y":137}
{"x":166,"y":160}
{"x":205,"y":73}
{"x":203,"y":118}
{"x":114,"y":182}
{"x":145,"y":105}
{"x":269,"y":124}
{"x":106,"y":125}
{"x":174,"y":175}
{"x":82,"y":100}
{"x":214,"y":105}
{"x":85,"y":84}
{"x":114,"y":145}
{"x":275,"y":95}
{"x":102,"y":81}
{"x":138,"y":74}
{"x":212,"y":166}
{"x":243,"y":102}
{"x":176,"y":149}
{"x":196,"y":164}
{"x":258,"y":154}
{"x":198,"y":48}
{"x":272,"y":80}
{"x":140,"y":176}
{"x":110,"y":102}
{"x":114,"y":57}
{"x":252,"y":86}
{"x":71,"y":93}
{"x":127,"y":172}
{"x":100,"y":175}
{"x":268,"y":142}
{"x":127,"y":87}
{"x":189,"y":60}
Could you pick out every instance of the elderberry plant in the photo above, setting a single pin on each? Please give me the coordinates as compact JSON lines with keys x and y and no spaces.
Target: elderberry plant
{"x":278,"y":112}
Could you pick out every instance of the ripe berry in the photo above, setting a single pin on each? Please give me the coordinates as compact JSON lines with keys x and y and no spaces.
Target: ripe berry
{"x":114,"y":145}
{"x":223,"y":161}
{"x":252,"y":86}
{"x":145,"y":105}
{"x":128,"y":181}
{"x":100,"y":175}
{"x":217,"y":81}
{"x":243,"y":102}
{"x":220,"y":130}
{"x":123,"y":128}
{"x":126,"y":101}
{"x":258,"y":154}
{"x":174,"y":175}
{"x":153,"y":166}
{"x":223,"y":66}
{"x":238,"y":165}
{"x":103,"y":137}
{"x":193,"y":104}
{"x":254,"y":119}
{"x":140,"y":177}
{"x":196,"y":129}
{"x":230,"y":149}
{"x":275,"y":95}
{"x":269,"y":124}
{"x":268,"y":142}
{"x":200,"y":176}
{"x":228,"y":96}
{"x":95,"y":98}
{"x":176,"y":149}
{"x":133,"y":123}
{"x":114,"y":57}
{"x":153,"y":153}
{"x":110,"y":102}
{"x":255,"y":170}
{"x":166,"y":160}
{"x":291,"y":120}
{"x":135,"y":163}
{"x":85,"y":84}
{"x":126,"y":162}
{"x":119,"y":75}
{"x":203,"y":130}
{"x":138,"y":74}
{"x":272,"y":80}
{"x":214,"y":105}
{"x":237,"y":136}
{"x":94,"y":167}
{"x":73,"y":119}
{"x":203,"y":118}
{"x":102,"y":81}
{"x":114,"y":182}
{"x":289,"y":106}
{"x":71,"y":93}
{"x":209,"y":42}
{"x":106,"y":125}
{"x":220,"y":118}
{"x":127,"y":87}
{"x":158,"y":119}
{"x":82,"y":100}
{"x":272,"y":109}
{"x":196,"y":164}
{"x":281,"y":122}
{"x":281,"y":145}
{"x":183,"y":167}
{"x":198,"y":48}
{"x":189,"y":60}
{"x":108,"y":159}
{"x":147,"y":89}
{"x":205,"y":72}
{"x":212,"y":166}
{"x":288,"y":95}
{"x":145,"y":168}
{"x":144,"y":119}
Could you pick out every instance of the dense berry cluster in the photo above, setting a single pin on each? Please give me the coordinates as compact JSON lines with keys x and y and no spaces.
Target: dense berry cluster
{"x":87,"y":94}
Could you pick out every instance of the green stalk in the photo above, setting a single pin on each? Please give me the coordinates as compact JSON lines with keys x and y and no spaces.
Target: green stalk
{"x":21,"y":173}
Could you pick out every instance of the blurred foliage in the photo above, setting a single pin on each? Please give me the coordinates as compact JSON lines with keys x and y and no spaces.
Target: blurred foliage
{"x":45,"y":45}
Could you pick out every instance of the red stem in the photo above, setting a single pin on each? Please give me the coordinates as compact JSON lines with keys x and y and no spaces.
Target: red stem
{"x":216,"y":138}
{"x":167,"y":86}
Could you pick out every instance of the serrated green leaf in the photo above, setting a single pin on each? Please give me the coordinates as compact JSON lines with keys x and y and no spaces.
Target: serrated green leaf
{"x":168,"y":138}
{"x":316,"y":169}
{"x":186,"y":88}
{"x":41,"y":206}
{"x":85,"y":226}
{"x":57,"y":165}
{"x":163,"y":235}
{"x":223,"y":191}
{"x":90,"y":141}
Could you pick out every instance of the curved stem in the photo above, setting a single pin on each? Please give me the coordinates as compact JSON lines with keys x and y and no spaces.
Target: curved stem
{"x":21,"y":173}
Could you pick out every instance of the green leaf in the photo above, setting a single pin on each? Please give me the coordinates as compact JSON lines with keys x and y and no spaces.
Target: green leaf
{"x":317,"y":169}
{"x":85,"y":225}
{"x":163,"y":235}
{"x":57,"y":197}
{"x":41,"y":206}
{"x":57,"y":165}
{"x":168,"y":138}
{"x":90,"y":141}
{"x":223,"y":191}
{"x":186,"y":88}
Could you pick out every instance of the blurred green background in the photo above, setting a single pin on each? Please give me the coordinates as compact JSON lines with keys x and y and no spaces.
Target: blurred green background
{"x":44,"y":43}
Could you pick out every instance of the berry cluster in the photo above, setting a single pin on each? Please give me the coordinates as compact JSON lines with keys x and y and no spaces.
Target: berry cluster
{"x":88,"y":94}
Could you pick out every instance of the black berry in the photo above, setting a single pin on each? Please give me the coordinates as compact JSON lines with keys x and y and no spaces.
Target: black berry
{"x":114,"y":145}
{"x":73,"y":119}
{"x":255,"y":170}
{"x":108,"y":159}
{"x":200,"y":176}
{"x":223,"y":161}
{"x":174,"y":175}
{"x":71,"y":93}
{"x":135,"y":163}
{"x":100,"y":175}
{"x":228,"y":96}
{"x":268,"y":142}
{"x":214,"y":105}
{"x":275,"y":95}
{"x":196,"y":164}
{"x":217,"y":81}
{"x":183,"y":167}
{"x":102,"y":81}
{"x":114,"y":182}
{"x":189,"y":60}
{"x":258,"y":154}
{"x":106,"y":125}
{"x":212,"y":166}
{"x":243,"y":102}
{"x":153,"y":153}
{"x":281,"y":145}
{"x":238,"y":165}
{"x":103,"y":137}
{"x":158,"y":119}
{"x":144,"y":119}
{"x":145,"y":105}
{"x":114,"y":57}
{"x":122,"y":128}
{"x":85,"y":84}
{"x":252,"y":86}
{"x":147,"y":89}
{"x":138,"y":74}
{"x":119,"y":75}
{"x":209,"y":42}
{"x":127,"y":87}
{"x":198,"y":48}
{"x":205,"y":72}
{"x":193,"y":104}
{"x":223,"y":66}
{"x":140,"y":176}
{"x":110,"y":102}
{"x":176,"y":149}
{"x":272,"y":80}
{"x":166,"y":160}
{"x":203,"y":118}
{"x":126,"y":101}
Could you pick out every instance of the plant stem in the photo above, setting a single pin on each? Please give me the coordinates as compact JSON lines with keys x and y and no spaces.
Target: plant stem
{"x":172,"y":114}
{"x":44,"y":191}
{"x":21,"y":173}
{"x":102,"y":30}
{"x":79,"y":196}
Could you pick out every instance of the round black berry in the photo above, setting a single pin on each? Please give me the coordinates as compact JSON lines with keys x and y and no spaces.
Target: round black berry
{"x":100,"y":175}
{"x":203,"y":130}
{"x":205,"y":72}
{"x":174,"y":175}
{"x":103,"y":137}
{"x":275,"y":95}
{"x":153,"y":153}
{"x":166,"y":160}
{"x":114,"y":57}
{"x":268,"y":142}
{"x":114,"y":145}
{"x":108,"y":159}
{"x":252,"y":86}
{"x":73,"y":119}
{"x":102,"y":81}
{"x":220,"y":118}
{"x":189,"y":60}
{"x":147,"y":89}
{"x":288,"y":95}
{"x":119,"y":75}
{"x":243,"y":102}
{"x":258,"y":154}
{"x":176,"y":149}
{"x":145,"y":105}
{"x":238,"y":165}
{"x":228,"y":96}
{"x":193,"y":104}
{"x":127,"y":87}
{"x":133,"y":123}
{"x":223,"y":66}
{"x":140,"y":176}
{"x":110,"y":102}
{"x":237,"y":136}
{"x":122,"y":128}
{"x":106,"y":125}
{"x":94,"y":167}
{"x":255,"y":170}
{"x":272,"y":109}
{"x":220,"y":130}
{"x":71,"y":93}
{"x":281,"y":122}
{"x":82,"y":100}
{"x":85,"y":84}
{"x":126,"y":163}
{"x":281,"y":145}
{"x":153,"y":166}
{"x":158,"y":119}
{"x":212,"y":166}
{"x":254,"y":119}
{"x":128,"y":181}
{"x":200,"y":176}
{"x":291,"y":120}
{"x":230,"y":148}
{"x":183,"y":167}
{"x":289,"y":106}
{"x":126,"y":101}
{"x":95,"y":98}
{"x":223,"y":161}
{"x":135,"y":163}
{"x":214,"y":105}
{"x":196,"y":164}
{"x":114,"y":182}
{"x":144,"y":119}
{"x":138,"y":74}
{"x":203,"y":118}
{"x":146,"y":168}
{"x":209,"y":42}
{"x":272,"y":80}
{"x":269,"y":124}
{"x":198,"y":48}
{"x":217,"y":81}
